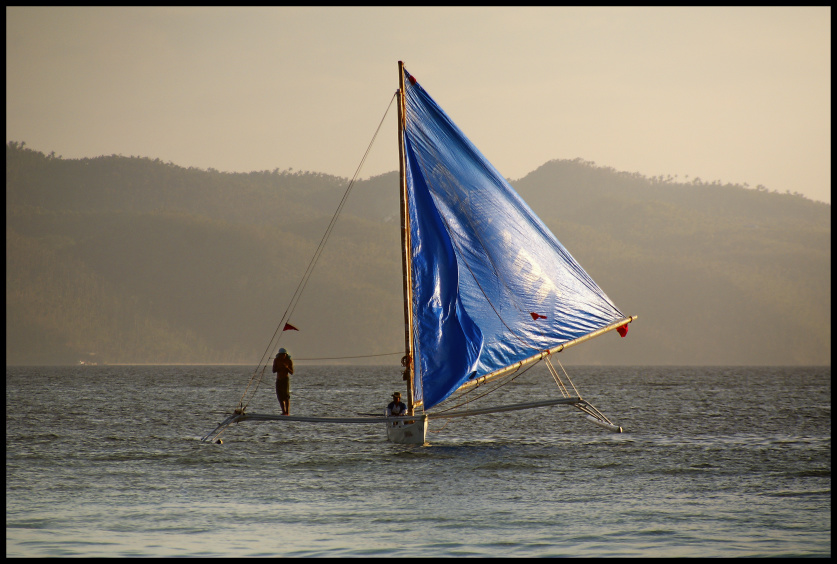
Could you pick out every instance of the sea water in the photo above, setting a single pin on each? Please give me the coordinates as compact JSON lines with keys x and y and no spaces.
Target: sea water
{"x":107,"y":461}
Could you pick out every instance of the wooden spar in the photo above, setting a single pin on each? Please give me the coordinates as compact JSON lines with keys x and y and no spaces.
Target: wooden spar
{"x":574,"y":401}
{"x":237,"y":418}
{"x":497,"y":409}
{"x":541,"y":355}
{"x":307,"y":419}
{"x":406,"y":258}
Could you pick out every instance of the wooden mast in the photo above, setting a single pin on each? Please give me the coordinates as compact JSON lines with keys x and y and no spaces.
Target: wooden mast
{"x":406,"y":257}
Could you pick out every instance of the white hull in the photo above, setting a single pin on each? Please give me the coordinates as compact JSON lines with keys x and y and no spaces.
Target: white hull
{"x":406,"y":432}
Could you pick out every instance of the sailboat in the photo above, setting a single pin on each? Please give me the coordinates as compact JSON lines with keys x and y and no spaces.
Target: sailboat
{"x":488,"y":289}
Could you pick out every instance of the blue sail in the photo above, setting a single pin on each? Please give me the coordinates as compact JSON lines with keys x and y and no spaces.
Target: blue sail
{"x":491,"y":284}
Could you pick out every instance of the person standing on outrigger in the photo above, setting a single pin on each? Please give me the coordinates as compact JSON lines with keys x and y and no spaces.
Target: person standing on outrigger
{"x":284,"y":367}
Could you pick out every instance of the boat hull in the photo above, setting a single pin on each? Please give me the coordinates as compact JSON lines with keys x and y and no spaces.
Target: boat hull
{"x":407,"y":432}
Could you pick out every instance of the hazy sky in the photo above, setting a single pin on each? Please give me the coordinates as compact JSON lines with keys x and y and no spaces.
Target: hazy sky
{"x":740,"y":95}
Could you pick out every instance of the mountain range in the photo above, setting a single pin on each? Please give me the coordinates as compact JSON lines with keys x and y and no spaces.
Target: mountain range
{"x":132,"y":260}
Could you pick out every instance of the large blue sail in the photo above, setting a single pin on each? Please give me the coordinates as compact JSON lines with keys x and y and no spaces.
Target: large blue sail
{"x":491,"y":284}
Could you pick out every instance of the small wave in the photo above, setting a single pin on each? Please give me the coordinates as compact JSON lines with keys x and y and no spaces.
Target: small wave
{"x":788,"y":493}
{"x":30,"y":524}
{"x":696,"y":469}
{"x":815,"y":473}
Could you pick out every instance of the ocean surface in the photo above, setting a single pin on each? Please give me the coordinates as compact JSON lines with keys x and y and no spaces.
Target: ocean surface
{"x":714,"y":462}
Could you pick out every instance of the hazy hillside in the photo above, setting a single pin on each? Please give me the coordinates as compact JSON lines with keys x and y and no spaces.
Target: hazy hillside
{"x":128,"y":260}
{"x":718,"y":274}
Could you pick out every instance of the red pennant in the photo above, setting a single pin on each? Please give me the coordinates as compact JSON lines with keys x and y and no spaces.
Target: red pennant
{"x":289,"y":327}
{"x":623,"y":330}
{"x":536,"y":316}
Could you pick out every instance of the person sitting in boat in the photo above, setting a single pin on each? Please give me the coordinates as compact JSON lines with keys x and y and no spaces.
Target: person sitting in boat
{"x":284,"y":367}
{"x":396,"y":406}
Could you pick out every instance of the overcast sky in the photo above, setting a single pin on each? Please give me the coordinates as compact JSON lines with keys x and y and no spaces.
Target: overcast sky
{"x":739,"y":95}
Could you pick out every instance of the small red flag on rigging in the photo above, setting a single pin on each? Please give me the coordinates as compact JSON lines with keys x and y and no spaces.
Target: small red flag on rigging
{"x":289,"y":327}
{"x":623,"y":330}
{"x":536,"y":316}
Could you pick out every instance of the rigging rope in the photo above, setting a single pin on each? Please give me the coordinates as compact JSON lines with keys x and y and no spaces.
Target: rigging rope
{"x":242,"y":405}
{"x":558,"y":378}
{"x":345,"y":357}
{"x":585,"y":407}
{"x":508,"y":379}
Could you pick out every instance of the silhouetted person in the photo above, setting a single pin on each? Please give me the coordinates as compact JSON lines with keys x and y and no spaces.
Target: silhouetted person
{"x":396,"y":406}
{"x":284,"y":367}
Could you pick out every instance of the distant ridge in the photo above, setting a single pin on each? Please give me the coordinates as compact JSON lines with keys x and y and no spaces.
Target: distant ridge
{"x":133,"y":260}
